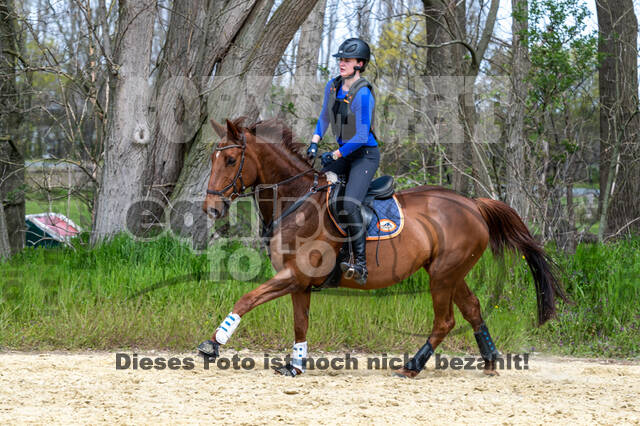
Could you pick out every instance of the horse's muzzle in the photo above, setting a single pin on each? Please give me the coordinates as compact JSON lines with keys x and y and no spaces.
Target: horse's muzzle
{"x":216,"y":213}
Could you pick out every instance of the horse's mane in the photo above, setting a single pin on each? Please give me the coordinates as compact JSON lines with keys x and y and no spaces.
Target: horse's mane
{"x":275,"y":130}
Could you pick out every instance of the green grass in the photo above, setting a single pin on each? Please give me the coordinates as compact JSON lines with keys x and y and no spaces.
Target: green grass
{"x":604,"y":281}
{"x":77,"y":298}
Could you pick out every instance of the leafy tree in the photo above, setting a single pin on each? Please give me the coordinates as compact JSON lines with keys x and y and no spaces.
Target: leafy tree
{"x":564,"y":58}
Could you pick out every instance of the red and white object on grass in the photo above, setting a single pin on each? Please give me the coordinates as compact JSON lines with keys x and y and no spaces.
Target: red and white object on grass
{"x":54,"y":226}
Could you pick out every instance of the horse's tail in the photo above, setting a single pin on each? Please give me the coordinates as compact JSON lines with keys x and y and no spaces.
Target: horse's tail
{"x":506,"y":230}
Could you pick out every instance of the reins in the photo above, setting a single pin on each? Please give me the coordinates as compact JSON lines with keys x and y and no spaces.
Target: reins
{"x":267,"y":228}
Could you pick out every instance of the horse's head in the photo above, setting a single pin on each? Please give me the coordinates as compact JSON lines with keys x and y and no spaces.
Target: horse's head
{"x":232,"y":169}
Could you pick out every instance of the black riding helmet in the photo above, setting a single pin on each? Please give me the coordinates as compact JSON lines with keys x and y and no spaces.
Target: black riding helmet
{"x":355,"y":48}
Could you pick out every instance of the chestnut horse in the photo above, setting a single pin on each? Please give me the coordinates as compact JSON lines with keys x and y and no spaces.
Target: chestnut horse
{"x":444,"y":232}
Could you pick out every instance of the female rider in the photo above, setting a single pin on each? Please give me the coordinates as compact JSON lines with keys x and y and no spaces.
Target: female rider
{"x":349,"y":108}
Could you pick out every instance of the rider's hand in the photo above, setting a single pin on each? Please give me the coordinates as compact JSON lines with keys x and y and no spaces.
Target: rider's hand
{"x":326,"y":159}
{"x":312,"y":150}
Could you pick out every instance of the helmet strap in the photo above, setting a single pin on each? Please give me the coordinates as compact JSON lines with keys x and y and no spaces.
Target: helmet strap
{"x":353,"y":74}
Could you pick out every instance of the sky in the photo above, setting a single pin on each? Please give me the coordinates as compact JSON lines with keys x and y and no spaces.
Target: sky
{"x":502,"y":29}
{"x":503,"y":24}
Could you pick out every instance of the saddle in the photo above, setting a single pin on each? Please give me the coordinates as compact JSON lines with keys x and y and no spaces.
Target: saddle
{"x":379,"y":189}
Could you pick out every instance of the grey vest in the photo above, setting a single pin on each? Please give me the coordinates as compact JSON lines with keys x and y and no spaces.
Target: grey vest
{"x":343,"y":120}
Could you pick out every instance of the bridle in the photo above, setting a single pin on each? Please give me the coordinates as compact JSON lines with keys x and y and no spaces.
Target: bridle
{"x":267,"y":227}
{"x":238,"y":175}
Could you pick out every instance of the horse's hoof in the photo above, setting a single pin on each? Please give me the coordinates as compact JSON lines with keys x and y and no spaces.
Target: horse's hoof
{"x":287,"y":371}
{"x":209,"y":350}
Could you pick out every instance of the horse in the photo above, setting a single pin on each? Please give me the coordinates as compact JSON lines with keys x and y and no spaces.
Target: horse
{"x":444,"y":232}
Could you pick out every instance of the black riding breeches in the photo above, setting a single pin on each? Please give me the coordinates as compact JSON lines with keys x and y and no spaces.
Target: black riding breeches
{"x":359,"y":167}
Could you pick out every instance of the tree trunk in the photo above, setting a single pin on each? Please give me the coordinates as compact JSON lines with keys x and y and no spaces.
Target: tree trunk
{"x":516,"y":138}
{"x":186,"y":64}
{"x":307,"y":92}
{"x":441,"y":68}
{"x":128,"y":130}
{"x":479,"y":140}
{"x":5,"y":247}
{"x":243,"y":79}
{"x":440,"y":61}
{"x":445,"y":23}
{"x":619,"y":121}
{"x":364,"y":19}
{"x":12,"y":177}
{"x":225,"y":90}
{"x":332,"y":9}
{"x":12,"y":185}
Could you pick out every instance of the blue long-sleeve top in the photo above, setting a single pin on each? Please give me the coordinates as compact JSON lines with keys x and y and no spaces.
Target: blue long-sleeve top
{"x":362,"y":106}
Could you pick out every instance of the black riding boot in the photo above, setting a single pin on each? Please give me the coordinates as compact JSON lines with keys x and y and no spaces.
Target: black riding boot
{"x":358,"y":237}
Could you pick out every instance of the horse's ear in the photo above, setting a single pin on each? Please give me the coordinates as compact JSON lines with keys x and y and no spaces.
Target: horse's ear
{"x":218,"y":128}
{"x":232,"y":130}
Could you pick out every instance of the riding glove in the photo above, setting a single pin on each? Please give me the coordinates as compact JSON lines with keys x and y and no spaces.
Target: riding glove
{"x":312,"y":150}
{"x":326,"y":159}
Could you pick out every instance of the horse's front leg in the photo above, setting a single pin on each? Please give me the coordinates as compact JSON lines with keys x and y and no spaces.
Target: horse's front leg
{"x":301,"y":301}
{"x":284,"y":282}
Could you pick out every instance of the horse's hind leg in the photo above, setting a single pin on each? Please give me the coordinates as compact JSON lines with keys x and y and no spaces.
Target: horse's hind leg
{"x":301,"y":301}
{"x":442,"y":291}
{"x":469,"y":306}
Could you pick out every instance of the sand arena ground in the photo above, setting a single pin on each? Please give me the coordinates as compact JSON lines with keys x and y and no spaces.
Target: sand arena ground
{"x":86,"y":387}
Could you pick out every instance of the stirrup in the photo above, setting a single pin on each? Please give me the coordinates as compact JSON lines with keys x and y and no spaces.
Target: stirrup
{"x":348,"y":270}
{"x":353,"y":271}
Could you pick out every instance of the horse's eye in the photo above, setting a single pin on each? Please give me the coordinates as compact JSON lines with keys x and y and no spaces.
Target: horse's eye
{"x":230,"y":161}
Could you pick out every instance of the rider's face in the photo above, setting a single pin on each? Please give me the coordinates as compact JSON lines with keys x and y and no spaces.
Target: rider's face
{"x":347,"y":64}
